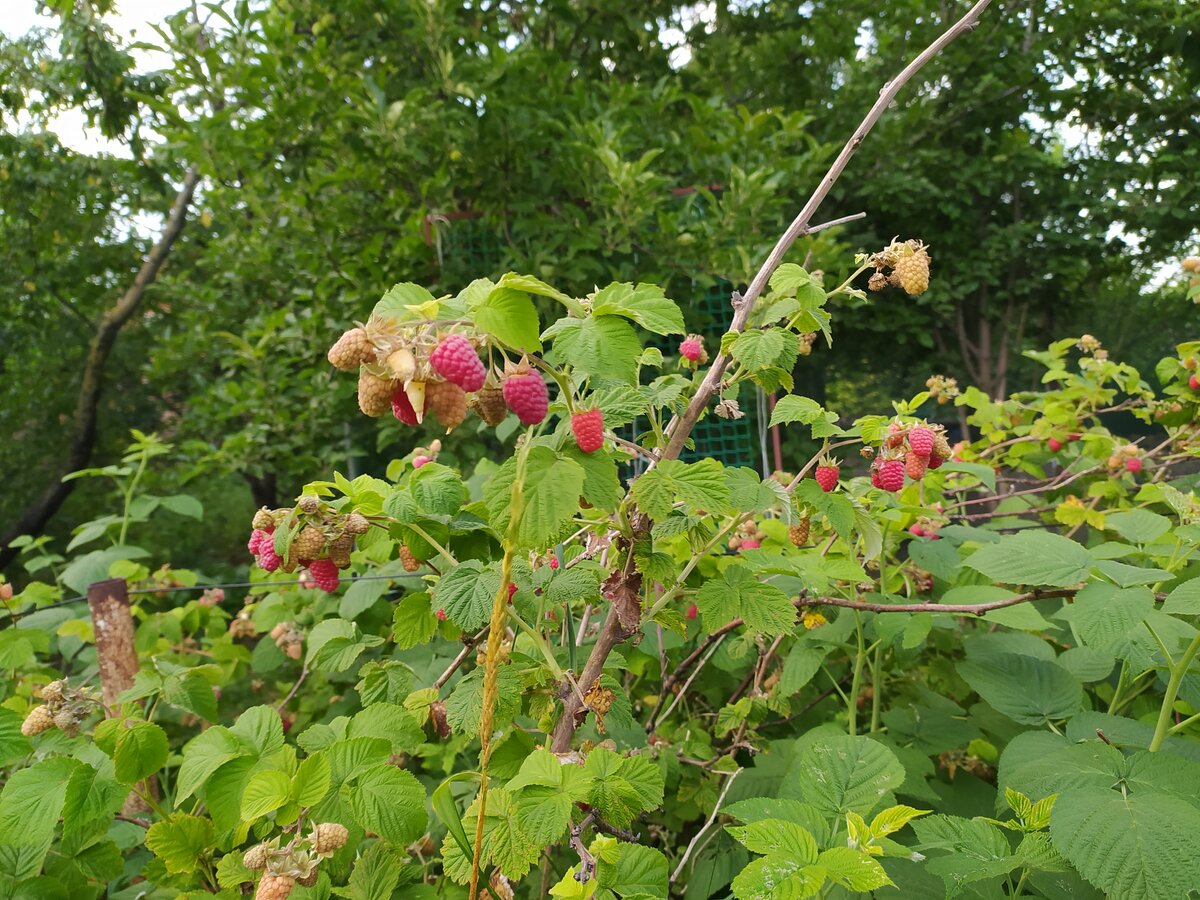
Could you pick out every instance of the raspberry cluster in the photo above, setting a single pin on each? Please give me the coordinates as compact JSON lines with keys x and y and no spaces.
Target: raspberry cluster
{"x":902,"y":264}
{"x":747,"y":536}
{"x":315,"y":537}
{"x":63,"y":707}
{"x":288,"y":638}
{"x":908,"y":450}
{"x":417,"y":371}
{"x":295,"y":864}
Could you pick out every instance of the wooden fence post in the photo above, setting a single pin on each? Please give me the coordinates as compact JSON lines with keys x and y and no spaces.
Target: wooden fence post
{"x":116,"y":658}
{"x":113,"y":626}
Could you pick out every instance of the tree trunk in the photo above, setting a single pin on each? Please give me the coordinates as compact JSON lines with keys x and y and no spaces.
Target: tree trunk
{"x":85,"y":424}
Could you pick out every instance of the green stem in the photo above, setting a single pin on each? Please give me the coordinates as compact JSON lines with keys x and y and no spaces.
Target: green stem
{"x":860,"y":656}
{"x":1175,"y":729}
{"x":540,"y":642}
{"x":129,"y":492}
{"x":1178,"y":670}
{"x":1021,"y":883}
{"x":424,"y":535}
{"x":1121,"y":685}
{"x":876,"y":686}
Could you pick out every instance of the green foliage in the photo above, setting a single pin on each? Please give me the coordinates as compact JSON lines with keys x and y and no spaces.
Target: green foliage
{"x":699,"y":682}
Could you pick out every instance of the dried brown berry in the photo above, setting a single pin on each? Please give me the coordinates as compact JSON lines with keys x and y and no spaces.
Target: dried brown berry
{"x":374,"y":394}
{"x":39,"y":719}
{"x":329,"y":836}
{"x":489,"y":405}
{"x":798,"y":533}
{"x":351,"y":350}
{"x":410,"y":562}
{"x":308,"y":544}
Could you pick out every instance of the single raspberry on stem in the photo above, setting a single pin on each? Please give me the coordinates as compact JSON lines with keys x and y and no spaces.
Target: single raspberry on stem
{"x":827,"y":473}
{"x":921,"y":440}
{"x":588,"y":429}
{"x":325,"y":573}
{"x":526,"y":395}
{"x":455,"y":360}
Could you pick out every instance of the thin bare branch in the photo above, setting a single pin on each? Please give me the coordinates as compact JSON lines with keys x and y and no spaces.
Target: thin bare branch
{"x":681,"y":425}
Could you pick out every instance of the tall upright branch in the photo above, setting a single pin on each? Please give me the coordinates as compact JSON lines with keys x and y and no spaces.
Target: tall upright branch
{"x":681,"y":425}
{"x":86,"y":418}
{"x":614,"y":630}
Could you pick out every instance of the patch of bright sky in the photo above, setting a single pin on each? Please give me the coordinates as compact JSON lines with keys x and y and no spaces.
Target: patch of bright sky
{"x":131,"y":21}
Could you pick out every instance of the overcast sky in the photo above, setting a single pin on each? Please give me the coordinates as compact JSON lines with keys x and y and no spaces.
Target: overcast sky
{"x":129,"y":19}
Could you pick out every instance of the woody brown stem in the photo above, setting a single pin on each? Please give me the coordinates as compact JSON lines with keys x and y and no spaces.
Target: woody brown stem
{"x":614,"y":631}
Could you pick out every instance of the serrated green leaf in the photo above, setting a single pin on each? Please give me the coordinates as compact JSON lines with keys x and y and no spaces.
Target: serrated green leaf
{"x":466,"y":593}
{"x":1024,"y":688}
{"x":551,"y":492}
{"x":778,"y":836}
{"x":141,"y":751}
{"x":1033,"y":559}
{"x":852,"y":869}
{"x":390,"y":802}
{"x":645,"y":304}
{"x":604,"y":347}
{"x":839,"y":773}
{"x":180,"y":841}
{"x":265,"y":791}
{"x":1133,"y":846}
{"x":509,"y":316}
{"x":203,"y":755}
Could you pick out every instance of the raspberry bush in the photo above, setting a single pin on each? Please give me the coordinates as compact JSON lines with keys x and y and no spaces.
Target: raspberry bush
{"x":942,"y":667}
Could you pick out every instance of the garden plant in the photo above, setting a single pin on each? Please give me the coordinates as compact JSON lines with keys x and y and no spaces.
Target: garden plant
{"x":917,"y":666}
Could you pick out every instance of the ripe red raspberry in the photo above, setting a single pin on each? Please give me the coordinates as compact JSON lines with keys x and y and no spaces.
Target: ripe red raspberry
{"x":935,"y":461}
{"x":512,"y":589}
{"x":1194,"y":382}
{"x":691,"y":347}
{"x":914,"y":465}
{"x":268,"y":559}
{"x":750,"y":544}
{"x":920,"y":440}
{"x":692,"y":612}
{"x":891,"y":474}
{"x":1133,"y":464}
{"x":1054,"y":444}
{"x":827,"y":477}
{"x":526,"y":395}
{"x":916,"y":530}
{"x":447,"y":401}
{"x":441,"y":615}
{"x":588,"y":428}
{"x":455,"y":360}
{"x":554,"y":562}
{"x":325,"y":574}
{"x":402,"y":409}
{"x":257,"y":536}
{"x":421,"y":460}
